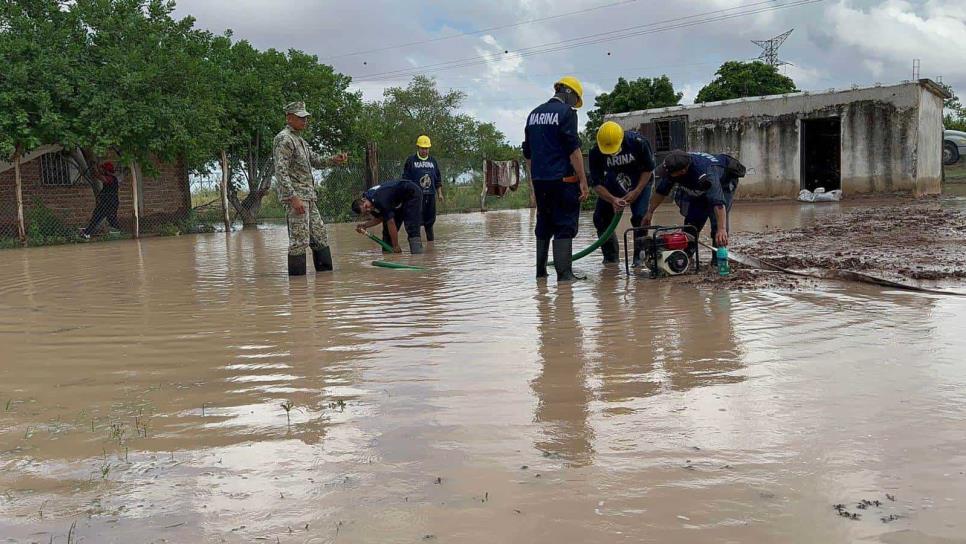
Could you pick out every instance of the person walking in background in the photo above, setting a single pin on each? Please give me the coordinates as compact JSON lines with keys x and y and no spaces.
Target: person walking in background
{"x":394,"y":204}
{"x":295,"y":185}
{"x":424,"y":170}
{"x":621,"y":166}
{"x":556,"y":166}
{"x":106,"y":204}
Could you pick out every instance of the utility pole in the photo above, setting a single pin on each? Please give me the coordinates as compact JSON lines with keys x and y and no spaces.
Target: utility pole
{"x":769,"y":49}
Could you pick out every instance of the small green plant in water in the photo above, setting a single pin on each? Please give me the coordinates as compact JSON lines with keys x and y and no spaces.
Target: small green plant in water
{"x":117,"y":432}
{"x":287,"y":406}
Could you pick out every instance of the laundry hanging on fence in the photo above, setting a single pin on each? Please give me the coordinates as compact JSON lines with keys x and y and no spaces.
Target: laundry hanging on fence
{"x":501,"y":176}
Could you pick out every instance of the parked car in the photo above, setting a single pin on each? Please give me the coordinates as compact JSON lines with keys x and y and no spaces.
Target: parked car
{"x":954,"y":146}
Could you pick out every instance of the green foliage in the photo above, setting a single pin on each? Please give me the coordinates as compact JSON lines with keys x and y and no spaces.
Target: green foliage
{"x":736,"y":79}
{"x":45,"y":228}
{"x":39,"y":46}
{"x":954,"y":117}
{"x":169,"y":229}
{"x":421,"y":108}
{"x":639,"y":94}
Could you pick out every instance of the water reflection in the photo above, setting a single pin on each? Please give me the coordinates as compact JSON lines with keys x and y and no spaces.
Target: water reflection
{"x":561,"y":386}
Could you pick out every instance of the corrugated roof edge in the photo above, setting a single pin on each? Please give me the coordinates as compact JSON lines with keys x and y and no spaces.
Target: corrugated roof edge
{"x":927,"y":84}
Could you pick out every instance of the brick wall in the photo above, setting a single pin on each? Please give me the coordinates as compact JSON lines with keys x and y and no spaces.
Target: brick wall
{"x":166,"y":197}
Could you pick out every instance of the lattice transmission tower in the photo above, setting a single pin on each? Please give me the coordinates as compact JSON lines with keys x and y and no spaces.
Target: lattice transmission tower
{"x":769,"y":49}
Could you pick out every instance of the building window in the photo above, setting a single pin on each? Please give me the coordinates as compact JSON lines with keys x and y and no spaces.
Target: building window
{"x":662,"y":136}
{"x":54,"y":170}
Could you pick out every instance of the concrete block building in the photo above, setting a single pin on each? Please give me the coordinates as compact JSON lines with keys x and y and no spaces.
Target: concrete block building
{"x":881,"y":139}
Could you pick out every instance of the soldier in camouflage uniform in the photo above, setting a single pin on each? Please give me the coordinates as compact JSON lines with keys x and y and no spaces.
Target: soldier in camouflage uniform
{"x":295,"y":185}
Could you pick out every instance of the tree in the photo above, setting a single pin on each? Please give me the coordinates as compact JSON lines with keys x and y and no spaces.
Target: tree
{"x":256,"y":85}
{"x":954,"y":113}
{"x":639,"y":94}
{"x":39,"y":47}
{"x":736,"y":79}
{"x":422,"y":108}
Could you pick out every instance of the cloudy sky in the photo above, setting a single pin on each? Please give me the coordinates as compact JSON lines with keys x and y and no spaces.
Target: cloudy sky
{"x":506,"y":54}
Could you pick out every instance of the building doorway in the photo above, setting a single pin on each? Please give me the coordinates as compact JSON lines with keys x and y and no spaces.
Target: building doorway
{"x":822,"y":153}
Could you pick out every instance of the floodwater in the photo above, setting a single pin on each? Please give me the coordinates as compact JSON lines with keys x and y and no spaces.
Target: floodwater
{"x":142,"y":387}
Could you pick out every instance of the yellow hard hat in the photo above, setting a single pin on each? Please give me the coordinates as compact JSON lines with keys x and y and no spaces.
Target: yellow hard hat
{"x":610,"y":136}
{"x":423,"y":141}
{"x":573,"y":84}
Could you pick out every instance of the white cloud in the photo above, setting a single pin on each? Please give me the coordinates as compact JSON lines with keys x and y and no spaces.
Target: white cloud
{"x":499,"y":61}
{"x":805,"y":77}
{"x":895,"y":31}
{"x":850,"y":41}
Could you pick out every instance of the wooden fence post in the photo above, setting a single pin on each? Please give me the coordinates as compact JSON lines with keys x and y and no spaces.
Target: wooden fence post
{"x":372,"y":165}
{"x":21,"y":227}
{"x":224,"y":190}
{"x":134,"y":198}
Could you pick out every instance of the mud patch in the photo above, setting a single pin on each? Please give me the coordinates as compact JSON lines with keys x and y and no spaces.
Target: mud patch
{"x":916,"y":242}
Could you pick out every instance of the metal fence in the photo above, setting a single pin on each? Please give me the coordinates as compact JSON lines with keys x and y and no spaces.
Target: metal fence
{"x":59,"y":204}
{"x":48,"y":197}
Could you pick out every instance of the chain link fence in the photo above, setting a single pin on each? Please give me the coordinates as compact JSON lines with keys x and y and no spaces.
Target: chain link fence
{"x":57,"y":198}
{"x":61,"y":204}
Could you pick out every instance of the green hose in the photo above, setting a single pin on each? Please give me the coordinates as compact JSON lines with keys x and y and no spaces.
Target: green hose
{"x":396,"y":266}
{"x":380,"y":241}
{"x":600,"y":241}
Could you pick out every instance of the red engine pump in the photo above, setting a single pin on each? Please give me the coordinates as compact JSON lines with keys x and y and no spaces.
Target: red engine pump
{"x":674,"y":240}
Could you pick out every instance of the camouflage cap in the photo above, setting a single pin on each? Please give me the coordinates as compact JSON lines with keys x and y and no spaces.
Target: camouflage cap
{"x":297,"y":108}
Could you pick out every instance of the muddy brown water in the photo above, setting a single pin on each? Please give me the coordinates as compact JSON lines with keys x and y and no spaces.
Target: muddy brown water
{"x":142,"y":384}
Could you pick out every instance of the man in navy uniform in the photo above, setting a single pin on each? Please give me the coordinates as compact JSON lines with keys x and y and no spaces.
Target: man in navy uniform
{"x":556,"y":165}
{"x":705,"y":189}
{"x":393,"y":203}
{"x":424,"y":170}
{"x":621,"y":165}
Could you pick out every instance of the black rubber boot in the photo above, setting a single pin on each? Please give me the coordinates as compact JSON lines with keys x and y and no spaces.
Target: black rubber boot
{"x":430,"y":236}
{"x":611,"y":249}
{"x":415,"y":246}
{"x":638,"y":248}
{"x":543,"y":254}
{"x":296,"y":265}
{"x":563,"y":259}
{"x":322,"y":258}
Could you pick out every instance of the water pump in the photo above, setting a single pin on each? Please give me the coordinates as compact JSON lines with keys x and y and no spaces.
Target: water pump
{"x":668,"y":251}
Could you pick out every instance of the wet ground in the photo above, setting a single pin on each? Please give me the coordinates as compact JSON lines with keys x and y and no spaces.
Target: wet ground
{"x":185,"y":390}
{"x":920,"y":242}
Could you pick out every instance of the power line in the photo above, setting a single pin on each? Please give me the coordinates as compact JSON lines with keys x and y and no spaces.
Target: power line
{"x":481,"y":31}
{"x":621,"y":72}
{"x":601,"y":37}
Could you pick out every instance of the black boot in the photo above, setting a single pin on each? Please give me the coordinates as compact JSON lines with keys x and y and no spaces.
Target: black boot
{"x":415,"y":246}
{"x":611,"y":249}
{"x":322,"y":258}
{"x":296,"y":265}
{"x":563,"y":259}
{"x":430,"y":236}
{"x":638,"y":248}
{"x":543,"y":253}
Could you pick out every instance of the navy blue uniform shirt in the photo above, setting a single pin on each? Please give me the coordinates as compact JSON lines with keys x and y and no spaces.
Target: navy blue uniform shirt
{"x":388,"y":197}
{"x":705,"y":177}
{"x":425,"y":172}
{"x":621,"y":172}
{"x":550,"y":138}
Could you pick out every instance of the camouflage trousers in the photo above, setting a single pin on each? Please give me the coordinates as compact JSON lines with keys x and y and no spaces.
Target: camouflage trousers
{"x":305,"y":229}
